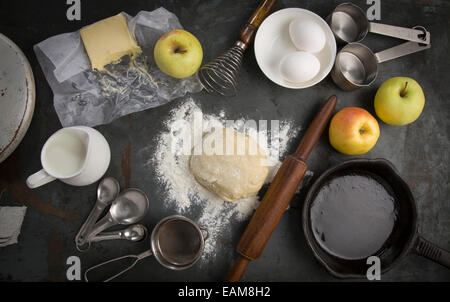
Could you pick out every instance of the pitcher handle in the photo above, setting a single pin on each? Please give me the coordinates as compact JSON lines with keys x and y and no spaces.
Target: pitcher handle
{"x":38,"y":179}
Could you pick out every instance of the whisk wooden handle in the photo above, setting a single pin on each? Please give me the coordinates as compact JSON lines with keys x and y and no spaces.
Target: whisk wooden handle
{"x":279,"y":194}
{"x":249,"y":30}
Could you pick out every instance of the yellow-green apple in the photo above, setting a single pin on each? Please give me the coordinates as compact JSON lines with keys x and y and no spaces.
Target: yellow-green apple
{"x":178,"y":53}
{"x":353,"y":131}
{"x":399,"y":101}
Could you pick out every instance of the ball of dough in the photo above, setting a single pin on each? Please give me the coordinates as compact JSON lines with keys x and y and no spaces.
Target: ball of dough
{"x":238,"y":172}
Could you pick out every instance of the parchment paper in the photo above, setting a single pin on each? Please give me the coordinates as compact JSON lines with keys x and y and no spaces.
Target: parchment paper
{"x":86,"y":97}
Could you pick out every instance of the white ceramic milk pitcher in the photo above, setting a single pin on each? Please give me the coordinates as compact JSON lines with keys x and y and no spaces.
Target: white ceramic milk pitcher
{"x":78,"y":156}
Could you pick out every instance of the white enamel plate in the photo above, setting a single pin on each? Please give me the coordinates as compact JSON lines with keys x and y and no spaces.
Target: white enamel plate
{"x":17,"y":96}
{"x":272,"y":43}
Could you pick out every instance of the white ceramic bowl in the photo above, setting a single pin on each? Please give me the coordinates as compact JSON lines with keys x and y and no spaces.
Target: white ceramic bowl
{"x":17,"y":96}
{"x":272,"y":43}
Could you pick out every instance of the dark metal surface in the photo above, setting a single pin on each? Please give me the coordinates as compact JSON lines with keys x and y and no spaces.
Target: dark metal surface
{"x":56,"y":211}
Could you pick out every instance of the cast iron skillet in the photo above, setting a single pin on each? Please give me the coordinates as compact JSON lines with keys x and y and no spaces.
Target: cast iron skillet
{"x":404,"y":238}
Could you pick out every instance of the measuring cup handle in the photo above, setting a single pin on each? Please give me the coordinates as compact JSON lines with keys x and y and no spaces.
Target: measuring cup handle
{"x":403,"y":33}
{"x":431,"y":251}
{"x":400,"y":51}
{"x":137,"y":257}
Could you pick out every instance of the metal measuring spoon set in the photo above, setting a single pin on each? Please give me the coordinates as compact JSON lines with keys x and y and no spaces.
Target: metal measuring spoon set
{"x":126,"y":208}
{"x":176,"y":242}
{"x":356,"y":65}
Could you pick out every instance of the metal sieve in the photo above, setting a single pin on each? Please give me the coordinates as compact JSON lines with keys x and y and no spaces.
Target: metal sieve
{"x":176,"y":243}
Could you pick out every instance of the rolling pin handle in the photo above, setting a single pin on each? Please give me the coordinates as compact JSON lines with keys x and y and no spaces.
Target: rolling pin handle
{"x":238,"y":269}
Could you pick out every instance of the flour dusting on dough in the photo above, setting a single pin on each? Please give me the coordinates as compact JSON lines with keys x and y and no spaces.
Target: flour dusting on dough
{"x":184,"y":194}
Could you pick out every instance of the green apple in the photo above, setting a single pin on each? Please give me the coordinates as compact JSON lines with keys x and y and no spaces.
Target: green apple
{"x":178,"y":54}
{"x":399,"y":101}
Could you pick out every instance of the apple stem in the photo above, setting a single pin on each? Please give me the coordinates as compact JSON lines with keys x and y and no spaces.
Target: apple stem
{"x":403,"y":92}
{"x":178,"y":50}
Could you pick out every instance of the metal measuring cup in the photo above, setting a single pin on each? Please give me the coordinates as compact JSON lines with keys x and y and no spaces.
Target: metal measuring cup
{"x":356,"y":65}
{"x":350,"y":24}
{"x":176,"y":242}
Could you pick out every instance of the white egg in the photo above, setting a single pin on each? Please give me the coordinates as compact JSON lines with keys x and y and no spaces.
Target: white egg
{"x":307,"y":35}
{"x":299,"y":67}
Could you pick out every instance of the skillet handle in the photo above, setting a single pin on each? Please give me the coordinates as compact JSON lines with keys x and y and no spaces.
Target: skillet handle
{"x":431,"y":251}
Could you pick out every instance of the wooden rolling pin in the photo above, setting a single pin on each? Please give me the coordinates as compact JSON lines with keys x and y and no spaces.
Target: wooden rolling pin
{"x":279,"y":194}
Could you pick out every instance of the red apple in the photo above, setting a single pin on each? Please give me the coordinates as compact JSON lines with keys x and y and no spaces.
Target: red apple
{"x":353,"y":131}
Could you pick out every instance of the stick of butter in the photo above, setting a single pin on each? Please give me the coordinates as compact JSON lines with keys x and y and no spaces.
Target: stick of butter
{"x":108,"y":40}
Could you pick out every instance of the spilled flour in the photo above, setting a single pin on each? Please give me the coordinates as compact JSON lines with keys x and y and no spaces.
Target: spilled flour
{"x":187,"y":123}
